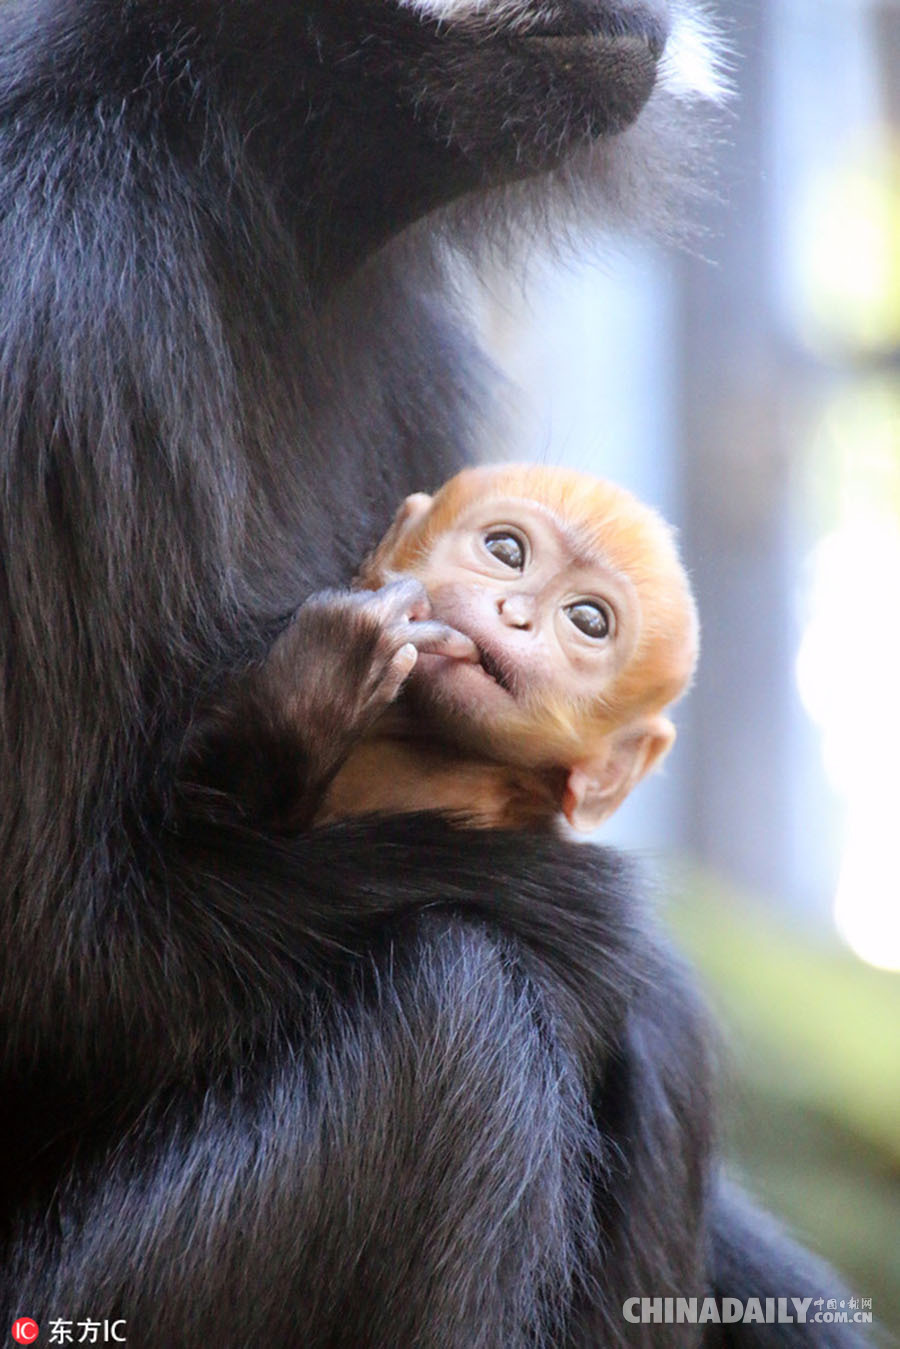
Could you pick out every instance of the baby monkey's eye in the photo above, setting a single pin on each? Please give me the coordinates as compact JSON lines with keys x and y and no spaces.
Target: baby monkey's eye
{"x":590,"y":617}
{"x":506,"y":547}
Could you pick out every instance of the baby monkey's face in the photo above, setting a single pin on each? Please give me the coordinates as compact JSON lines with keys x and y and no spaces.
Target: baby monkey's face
{"x":582,"y":620}
{"x":554,"y":623}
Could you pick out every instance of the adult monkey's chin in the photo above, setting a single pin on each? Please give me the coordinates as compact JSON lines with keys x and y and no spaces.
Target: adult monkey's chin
{"x":517,"y":86}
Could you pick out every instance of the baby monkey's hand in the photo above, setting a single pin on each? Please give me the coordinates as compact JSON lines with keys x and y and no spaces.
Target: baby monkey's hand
{"x":402,"y":609}
{"x":276,"y":738}
{"x":340,"y":663}
{"x":371,"y":640}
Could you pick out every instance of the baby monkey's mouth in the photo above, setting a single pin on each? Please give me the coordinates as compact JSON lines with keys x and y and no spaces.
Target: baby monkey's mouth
{"x":492,"y":667}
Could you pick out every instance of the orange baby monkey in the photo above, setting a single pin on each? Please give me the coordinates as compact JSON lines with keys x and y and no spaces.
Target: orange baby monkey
{"x":582,"y":630}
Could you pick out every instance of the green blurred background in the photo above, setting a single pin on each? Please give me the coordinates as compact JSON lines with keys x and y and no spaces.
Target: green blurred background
{"x":811,"y":1079}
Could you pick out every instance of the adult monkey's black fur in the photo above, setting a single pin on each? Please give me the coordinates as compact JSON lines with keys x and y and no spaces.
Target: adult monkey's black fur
{"x":367,"y":1086}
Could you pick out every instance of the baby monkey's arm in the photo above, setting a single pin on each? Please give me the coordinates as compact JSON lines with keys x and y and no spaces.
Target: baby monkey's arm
{"x":387,"y":775}
{"x":269,"y":748}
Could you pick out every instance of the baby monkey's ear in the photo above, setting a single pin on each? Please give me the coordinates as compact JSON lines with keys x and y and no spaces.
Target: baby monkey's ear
{"x":380,"y":565}
{"x":597,"y":786}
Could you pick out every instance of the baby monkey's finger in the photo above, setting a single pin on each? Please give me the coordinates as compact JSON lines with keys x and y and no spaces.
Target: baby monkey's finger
{"x":437,"y":639}
{"x":398,"y":670}
{"x":403,"y":598}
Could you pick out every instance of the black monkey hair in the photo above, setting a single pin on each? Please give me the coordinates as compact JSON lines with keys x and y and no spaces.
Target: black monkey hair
{"x":383,"y":1084}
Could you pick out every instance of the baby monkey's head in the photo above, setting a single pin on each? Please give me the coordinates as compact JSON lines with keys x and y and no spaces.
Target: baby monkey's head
{"x":575,"y":596}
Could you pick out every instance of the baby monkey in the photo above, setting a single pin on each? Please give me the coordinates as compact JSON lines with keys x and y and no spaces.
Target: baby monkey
{"x":507,"y":657}
{"x":535,"y":623}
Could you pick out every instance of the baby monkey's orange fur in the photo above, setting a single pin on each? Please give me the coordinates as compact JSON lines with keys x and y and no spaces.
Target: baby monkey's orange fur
{"x":581,"y":612}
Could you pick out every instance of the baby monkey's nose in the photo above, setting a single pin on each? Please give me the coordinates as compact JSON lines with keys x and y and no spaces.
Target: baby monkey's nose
{"x":516,"y":611}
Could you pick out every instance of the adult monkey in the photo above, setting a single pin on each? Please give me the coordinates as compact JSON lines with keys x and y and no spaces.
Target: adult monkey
{"x":365,"y":1087}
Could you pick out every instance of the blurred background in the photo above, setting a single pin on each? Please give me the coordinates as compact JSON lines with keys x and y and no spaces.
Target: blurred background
{"x":751,"y":390}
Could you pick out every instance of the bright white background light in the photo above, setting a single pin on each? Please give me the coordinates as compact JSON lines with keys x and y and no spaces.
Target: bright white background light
{"x":848,"y":674}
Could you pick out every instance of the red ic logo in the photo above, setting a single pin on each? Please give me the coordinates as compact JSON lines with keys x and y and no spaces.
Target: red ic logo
{"x":25,"y":1331}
